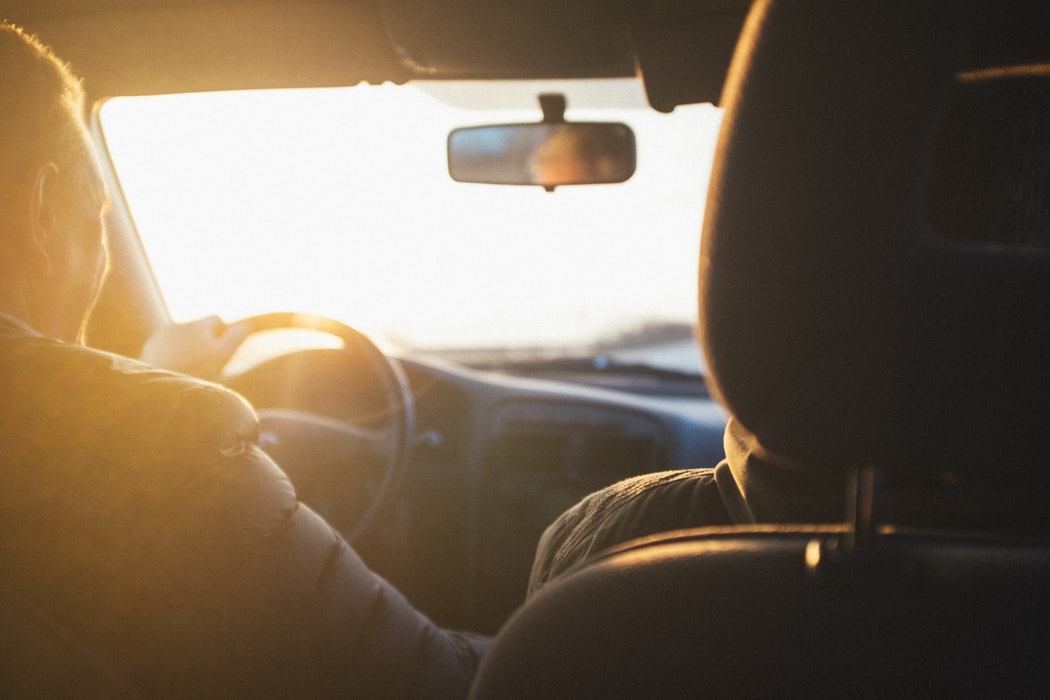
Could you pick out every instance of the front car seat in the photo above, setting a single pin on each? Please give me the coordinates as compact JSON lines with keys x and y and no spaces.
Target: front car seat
{"x":841,"y":330}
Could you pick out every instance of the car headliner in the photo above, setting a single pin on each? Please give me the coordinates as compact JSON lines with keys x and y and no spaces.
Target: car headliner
{"x":161,"y":46}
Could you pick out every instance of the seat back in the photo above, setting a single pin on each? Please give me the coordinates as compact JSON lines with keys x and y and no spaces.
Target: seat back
{"x":740,"y":613}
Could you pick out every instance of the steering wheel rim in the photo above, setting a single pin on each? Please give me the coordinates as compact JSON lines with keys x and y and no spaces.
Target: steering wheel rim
{"x":399,"y":409}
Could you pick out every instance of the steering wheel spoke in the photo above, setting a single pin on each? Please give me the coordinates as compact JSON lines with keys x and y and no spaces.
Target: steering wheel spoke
{"x":281,"y":429}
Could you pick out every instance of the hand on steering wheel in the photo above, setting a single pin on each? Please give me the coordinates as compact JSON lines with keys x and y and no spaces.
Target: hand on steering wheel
{"x":200,"y":348}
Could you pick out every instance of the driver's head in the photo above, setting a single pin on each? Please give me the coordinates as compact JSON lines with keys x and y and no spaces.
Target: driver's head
{"x":51,"y":192}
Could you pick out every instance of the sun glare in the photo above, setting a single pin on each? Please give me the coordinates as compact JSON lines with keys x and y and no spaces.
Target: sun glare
{"x":338,"y":202}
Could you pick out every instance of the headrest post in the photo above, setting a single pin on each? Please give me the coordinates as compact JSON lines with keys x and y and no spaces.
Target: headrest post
{"x":862,"y":507}
{"x":553,"y":105}
{"x":852,"y":562}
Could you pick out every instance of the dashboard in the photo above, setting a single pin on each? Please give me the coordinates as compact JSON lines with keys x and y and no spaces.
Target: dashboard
{"x":507,"y":456}
{"x":495,"y":460}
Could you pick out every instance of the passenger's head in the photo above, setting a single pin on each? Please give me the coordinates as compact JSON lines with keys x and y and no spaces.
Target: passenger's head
{"x":990,"y":177}
{"x":51,"y":192}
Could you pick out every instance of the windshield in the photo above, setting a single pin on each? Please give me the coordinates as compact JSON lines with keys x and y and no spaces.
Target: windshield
{"x":339,"y":202}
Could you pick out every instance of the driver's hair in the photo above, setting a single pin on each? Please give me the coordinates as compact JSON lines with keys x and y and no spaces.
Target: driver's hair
{"x":42,"y":118}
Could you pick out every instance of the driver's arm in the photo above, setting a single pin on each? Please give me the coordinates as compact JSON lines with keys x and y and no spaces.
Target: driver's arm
{"x":159,"y":534}
{"x":198,"y":348}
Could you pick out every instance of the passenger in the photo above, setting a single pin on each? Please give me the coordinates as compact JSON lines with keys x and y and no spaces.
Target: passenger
{"x":136,"y":510}
{"x":989,"y":185}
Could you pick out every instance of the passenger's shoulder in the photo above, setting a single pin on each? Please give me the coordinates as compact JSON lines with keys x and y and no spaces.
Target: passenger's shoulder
{"x":629,"y":492}
{"x":636,"y":507}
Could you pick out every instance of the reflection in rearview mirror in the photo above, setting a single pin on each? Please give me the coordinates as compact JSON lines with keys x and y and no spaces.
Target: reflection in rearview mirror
{"x":544,"y":154}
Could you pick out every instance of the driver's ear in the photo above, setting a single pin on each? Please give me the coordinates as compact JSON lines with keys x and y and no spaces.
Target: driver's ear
{"x":43,"y":217}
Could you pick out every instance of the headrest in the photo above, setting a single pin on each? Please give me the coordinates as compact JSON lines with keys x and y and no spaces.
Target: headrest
{"x":840,"y":326}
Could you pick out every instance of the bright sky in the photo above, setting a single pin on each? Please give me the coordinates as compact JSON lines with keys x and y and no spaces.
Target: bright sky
{"x":338,"y":202}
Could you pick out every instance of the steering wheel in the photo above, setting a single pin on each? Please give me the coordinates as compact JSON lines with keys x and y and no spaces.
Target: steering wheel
{"x":327,"y":458}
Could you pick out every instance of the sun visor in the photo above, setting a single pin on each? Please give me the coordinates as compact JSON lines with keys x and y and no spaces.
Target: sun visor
{"x":684,"y":48}
{"x":484,"y":39}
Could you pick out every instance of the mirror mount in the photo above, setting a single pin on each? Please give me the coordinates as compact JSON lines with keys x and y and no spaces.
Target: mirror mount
{"x":553,"y":106}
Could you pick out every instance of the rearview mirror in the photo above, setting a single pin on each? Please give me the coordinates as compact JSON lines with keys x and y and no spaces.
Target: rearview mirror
{"x":550,"y":155}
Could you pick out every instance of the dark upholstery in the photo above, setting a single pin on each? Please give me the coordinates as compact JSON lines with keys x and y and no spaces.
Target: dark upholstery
{"x":735,"y":614}
{"x":837,"y":329}
{"x":842,"y":332}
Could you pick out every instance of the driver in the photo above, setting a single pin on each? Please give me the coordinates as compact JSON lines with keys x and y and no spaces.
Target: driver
{"x":137,"y":513}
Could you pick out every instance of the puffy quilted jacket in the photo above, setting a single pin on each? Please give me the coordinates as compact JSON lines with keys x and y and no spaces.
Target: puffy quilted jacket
{"x":137,"y":513}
